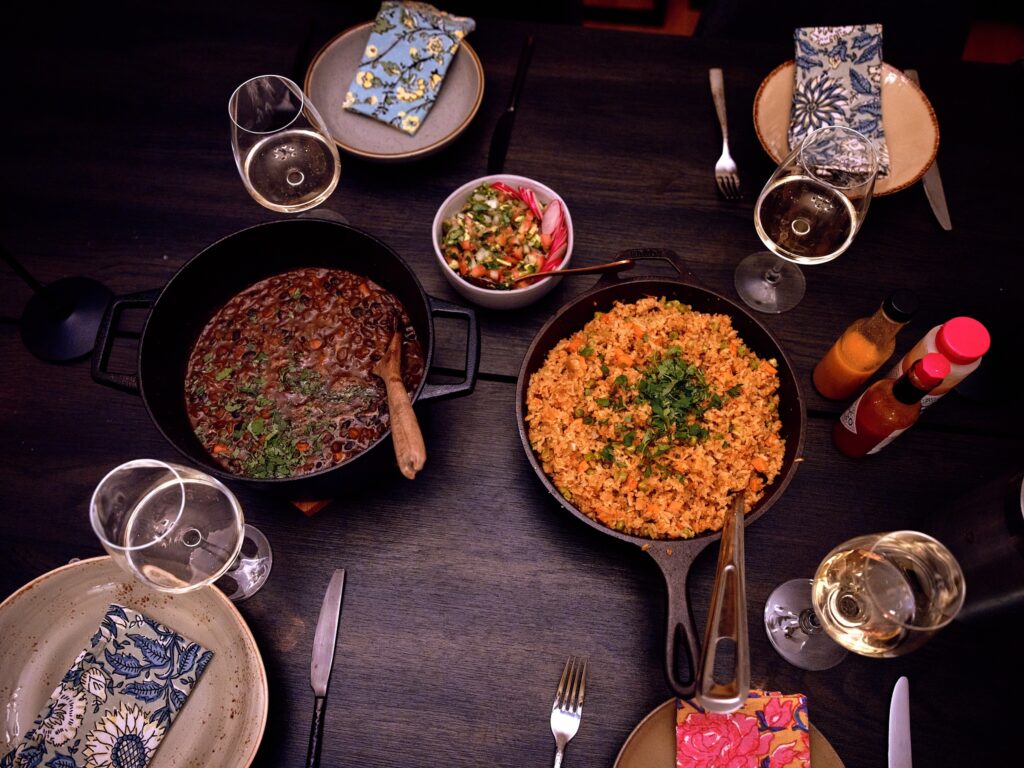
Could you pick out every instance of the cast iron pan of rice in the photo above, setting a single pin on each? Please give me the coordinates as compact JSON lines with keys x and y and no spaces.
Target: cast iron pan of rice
{"x":673,"y":556}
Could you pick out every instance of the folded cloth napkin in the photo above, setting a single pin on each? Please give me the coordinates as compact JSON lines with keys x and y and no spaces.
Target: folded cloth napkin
{"x":839,"y":82}
{"x":118,"y":699}
{"x":769,"y":731}
{"x":407,"y":56}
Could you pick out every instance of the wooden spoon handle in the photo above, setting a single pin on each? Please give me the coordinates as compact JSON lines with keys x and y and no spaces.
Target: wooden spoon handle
{"x":405,"y":429}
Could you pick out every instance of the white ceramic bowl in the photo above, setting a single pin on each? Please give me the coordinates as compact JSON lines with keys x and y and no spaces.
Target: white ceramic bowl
{"x":487,"y":297}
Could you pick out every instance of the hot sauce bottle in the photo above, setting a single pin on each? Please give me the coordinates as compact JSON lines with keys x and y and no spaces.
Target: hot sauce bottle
{"x":863,"y":347}
{"x":888,"y":408}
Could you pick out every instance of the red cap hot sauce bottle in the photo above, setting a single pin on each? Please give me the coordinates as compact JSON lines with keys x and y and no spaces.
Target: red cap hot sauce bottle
{"x":888,"y":408}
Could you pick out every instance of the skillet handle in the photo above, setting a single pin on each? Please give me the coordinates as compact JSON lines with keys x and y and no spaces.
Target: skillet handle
{"x":680,"y":627}
{"x":650,"y":254}
{"x":128,"y":382}
{"x":440,"y":308}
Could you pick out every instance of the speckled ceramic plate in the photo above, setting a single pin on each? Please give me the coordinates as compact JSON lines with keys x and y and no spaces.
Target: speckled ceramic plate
{"x":46,"y":623}
{"x":331,"y":72}
{"x":911,"y":129}
{"x":652,"y":744}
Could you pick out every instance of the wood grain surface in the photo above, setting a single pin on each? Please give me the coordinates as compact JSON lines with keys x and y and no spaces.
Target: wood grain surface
{"x":469,"y":586}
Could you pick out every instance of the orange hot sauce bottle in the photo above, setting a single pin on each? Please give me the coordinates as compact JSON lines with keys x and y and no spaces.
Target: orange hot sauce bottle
{"x":863,"y":347}
{"x":888,"y":408}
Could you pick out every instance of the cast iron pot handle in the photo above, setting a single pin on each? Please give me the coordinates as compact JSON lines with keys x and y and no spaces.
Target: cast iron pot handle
{"x":680,"y":627}
{"x":129,"y":382}
{"x":648,"y":254}
{"x":440,"y":308}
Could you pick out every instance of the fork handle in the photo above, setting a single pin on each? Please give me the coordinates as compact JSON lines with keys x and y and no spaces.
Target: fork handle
{"x":718,"y":94}
{"x":559,"y":754}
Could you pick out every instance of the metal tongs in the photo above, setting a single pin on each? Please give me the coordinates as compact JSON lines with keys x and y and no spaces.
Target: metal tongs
{"x":727,"y":620}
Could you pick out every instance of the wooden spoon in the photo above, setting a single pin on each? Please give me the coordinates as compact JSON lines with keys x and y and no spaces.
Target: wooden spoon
{"x":405,"y":430}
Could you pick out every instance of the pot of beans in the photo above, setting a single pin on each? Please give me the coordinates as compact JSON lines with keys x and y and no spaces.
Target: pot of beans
{"x":256,"y":360}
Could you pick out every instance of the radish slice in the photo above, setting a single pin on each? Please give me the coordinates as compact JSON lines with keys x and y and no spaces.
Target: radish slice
{"x":502,"y":187}
{"x":527,"y":196}
{"x":552,"y":218}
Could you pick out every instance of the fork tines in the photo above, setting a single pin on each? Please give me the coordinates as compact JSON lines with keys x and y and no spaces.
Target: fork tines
{"x":572,"y":686}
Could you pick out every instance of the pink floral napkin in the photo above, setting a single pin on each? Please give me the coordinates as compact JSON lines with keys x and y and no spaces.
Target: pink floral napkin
{"x":769,"y":731}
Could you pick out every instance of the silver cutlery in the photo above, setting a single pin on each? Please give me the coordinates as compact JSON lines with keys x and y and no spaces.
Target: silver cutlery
{"x":727,"y":620}
{"x":567,"y":711}
{"x":503,"y":129}
{"x":324,"y":641}
{"x":726,"y":175}
{"x":899,"y":726}
{"x":932,"y":182}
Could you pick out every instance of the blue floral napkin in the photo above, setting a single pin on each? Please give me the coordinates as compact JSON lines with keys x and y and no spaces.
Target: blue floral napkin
{"x":839,"y":82}
{"x":118,"y":699}
{"x":407,"y":56}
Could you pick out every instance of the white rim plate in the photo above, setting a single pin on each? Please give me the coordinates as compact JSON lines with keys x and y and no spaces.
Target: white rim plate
{"x":331,"y":72}
{"x":46,"y":623}
{"x":911,"y":128}
{"x":652,"y":744}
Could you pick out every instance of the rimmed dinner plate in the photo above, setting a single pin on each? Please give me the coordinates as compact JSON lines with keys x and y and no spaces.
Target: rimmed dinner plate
{"x":652,"y":744}
{"x":46,"y":623}
{"x":331,"y":72}
{"x":911,"y":128}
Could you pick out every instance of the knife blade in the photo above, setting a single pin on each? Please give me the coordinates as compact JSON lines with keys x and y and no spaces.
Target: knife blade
{"x":932,"y":182}
{"x":899,"y":725}
{"x":324,"y":640}
{"x":503,"y":130}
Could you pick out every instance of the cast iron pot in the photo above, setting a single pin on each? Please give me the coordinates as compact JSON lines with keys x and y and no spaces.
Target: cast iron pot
{"x":182,"y":308}
{"x":673,"y":556}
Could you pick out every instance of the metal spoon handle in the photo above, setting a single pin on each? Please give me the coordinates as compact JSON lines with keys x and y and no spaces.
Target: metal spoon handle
{"x":611,"y":266}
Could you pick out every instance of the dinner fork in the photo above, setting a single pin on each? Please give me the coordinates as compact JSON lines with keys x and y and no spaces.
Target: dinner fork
{"x":567,"y":711}
{"x":725,"y":169}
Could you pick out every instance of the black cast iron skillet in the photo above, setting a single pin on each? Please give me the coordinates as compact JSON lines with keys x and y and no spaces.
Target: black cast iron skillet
{"x":674,"y":557}
{"x":182,"y":308}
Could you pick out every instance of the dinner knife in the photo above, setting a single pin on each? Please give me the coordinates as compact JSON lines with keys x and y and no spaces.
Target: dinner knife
{"x":932,"y":182}
{"x":323,"y":659}
{"x":503,"y":130}
{"x":899,"y":725}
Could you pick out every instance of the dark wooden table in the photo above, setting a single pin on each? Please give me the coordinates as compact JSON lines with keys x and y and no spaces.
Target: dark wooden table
{"x":468,"y":588}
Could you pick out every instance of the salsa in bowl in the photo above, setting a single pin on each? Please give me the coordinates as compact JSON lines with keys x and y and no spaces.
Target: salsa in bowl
{"x":493,"y":233}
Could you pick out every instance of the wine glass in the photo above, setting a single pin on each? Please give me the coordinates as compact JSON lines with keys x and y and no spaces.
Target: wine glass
{"x":177,"y":529}
{"x":284,"y":152}
{"x":808,"y":213}
{"x":880,"y":595}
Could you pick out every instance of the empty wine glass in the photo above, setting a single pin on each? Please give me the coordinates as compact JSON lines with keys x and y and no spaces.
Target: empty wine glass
{"x":177,"y":529}
{"x":807,"y":213}
{"x":284,"y":152}
{"x":880,"y":595}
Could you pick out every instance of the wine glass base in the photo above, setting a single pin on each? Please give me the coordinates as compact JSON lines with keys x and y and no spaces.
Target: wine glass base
{"x":797,"y":637}
{"x":251,"y":569}
{"x":768,"y":283}
{"x":60,"y":322}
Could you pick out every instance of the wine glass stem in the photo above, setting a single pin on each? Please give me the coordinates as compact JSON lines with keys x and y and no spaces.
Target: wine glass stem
{"x":773,"y":275}
{"x":809,"y":623}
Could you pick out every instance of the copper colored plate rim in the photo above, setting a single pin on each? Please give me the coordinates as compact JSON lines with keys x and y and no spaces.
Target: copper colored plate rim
{"x":888,"y":68}
{"x":640,"y":732}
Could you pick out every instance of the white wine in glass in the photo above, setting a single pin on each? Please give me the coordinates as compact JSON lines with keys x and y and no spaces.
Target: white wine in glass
{"x":808,"y":213}
{"x":176,"y":529}
{"x":881,"y":595}
{"x":284,"y":152}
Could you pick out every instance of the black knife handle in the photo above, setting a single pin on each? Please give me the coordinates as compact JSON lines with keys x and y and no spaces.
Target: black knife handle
{"x":316,"y":734}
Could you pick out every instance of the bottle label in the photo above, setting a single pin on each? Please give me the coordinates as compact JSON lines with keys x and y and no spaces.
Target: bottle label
{"x":849,"y":417}
{"x":889,"y":439}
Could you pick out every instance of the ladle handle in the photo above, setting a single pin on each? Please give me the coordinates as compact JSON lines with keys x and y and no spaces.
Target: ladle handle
{"x":727,"y":620}
{"x":410,"y":451}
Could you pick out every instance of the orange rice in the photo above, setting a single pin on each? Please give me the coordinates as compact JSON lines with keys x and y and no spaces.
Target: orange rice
{"x":686,"y":488}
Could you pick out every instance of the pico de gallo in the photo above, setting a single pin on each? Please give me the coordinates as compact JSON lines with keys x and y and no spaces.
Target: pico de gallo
{"x":502,"y":233}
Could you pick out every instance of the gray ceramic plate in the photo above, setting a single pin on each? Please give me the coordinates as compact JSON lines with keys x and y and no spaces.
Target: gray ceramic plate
{"x":652,"y":744}
{"x":331,"y":72}
{"x":46,"y":623}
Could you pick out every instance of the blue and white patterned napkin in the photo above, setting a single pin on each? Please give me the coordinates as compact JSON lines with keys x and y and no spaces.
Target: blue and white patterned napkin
{"x":117,"y":701}
{"x":839,"y":82}
{"x":403,"y":67}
